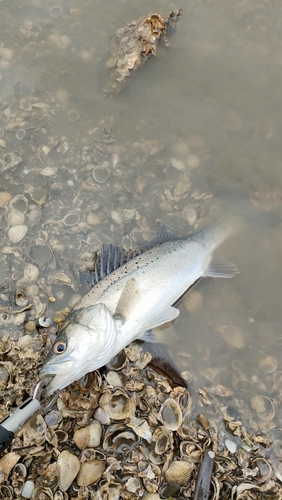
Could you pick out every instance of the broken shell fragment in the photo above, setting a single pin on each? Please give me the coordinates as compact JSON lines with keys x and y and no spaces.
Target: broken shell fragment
{"x":53,"y":418}
{"x":89,"y":436}
{"x":170,"y":414}
{"x":69,"y":466}
{"x":179,"y":472}
{"x":17,"y":233}
{"x":90,"y":472}
{"x":163,"y":438}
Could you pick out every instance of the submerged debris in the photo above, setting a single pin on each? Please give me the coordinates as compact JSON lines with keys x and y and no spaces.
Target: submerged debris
{"x":132,"y":45}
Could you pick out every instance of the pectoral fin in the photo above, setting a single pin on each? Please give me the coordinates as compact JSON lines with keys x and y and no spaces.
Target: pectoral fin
{"x":219,"y":268}
{"x":128,"y":300}
{"x":166,"y":315}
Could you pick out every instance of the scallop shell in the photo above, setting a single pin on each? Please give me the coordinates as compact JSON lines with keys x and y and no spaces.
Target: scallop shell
{"x":179,"y":472}
{"x":170,"y":414}
{"x":17,"y":233}
{"x":89,"y":436}
{"x":69,"y":466}
{"x":90,"y":472}
{"x":118,"y":405}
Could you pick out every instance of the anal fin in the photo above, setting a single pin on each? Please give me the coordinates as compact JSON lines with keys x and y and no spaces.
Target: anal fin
{"x":219,"y":268}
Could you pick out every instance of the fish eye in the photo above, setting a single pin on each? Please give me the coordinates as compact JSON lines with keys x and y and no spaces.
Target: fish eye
{"x":59,"y":347}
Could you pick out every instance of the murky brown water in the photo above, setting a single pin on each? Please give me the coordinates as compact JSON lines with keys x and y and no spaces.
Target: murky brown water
{"x":210,"y":100}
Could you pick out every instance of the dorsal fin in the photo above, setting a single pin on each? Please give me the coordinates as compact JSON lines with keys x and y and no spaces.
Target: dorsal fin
{"x":112,"y":257}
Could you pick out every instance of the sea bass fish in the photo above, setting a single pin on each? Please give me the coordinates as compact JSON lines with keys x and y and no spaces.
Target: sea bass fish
{"x":132,"y":300}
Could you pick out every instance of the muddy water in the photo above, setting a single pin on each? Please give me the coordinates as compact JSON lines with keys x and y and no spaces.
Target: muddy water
{"x":212,"y":96}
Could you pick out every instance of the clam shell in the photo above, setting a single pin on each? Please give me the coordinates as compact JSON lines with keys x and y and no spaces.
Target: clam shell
{"x":40,"y":254}
{"x":69,"y":466}
{"x":264,"y":407}
{"x":28,"y":489}
{"x":118,"y":405}
{"x":232,"y":335}
{"x":6,"y":492}
{"x":89,"y":436}
{"x":163,"y":438}
{"x":170,"y":414}
{"x":179,"y":472}
{"x":34,"y":216}
{"x":5,"y":198}
{"x":90,"y":472}
{"x":17,"y":233}
{"x":100,"y":174}
{"x":31,"y":273}
{"x":53,"y":418}
{"x":19,"y":202}
{"x":268,"y":364}
{"x":71,"y":219}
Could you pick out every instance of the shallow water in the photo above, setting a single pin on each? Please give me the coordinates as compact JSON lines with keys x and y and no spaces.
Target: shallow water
{"x":213,"y":95}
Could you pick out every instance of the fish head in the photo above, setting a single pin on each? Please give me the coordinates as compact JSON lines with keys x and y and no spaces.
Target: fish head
{"x":85,"y":343}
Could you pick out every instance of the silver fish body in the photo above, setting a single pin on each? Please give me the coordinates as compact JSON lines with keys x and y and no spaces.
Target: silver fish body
{"x":132,"y":300}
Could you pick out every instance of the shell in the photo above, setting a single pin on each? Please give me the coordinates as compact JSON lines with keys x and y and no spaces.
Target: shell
{"x":53,"y":418}
{"x":73,"y":115}
{"x":163,"y":438}
{"x":6,"y":492}
{"x":268,"y":364}
{"x":170,"y":414}
{"x":264,"y":407}
{"x":89,"y":436}
{"x":90,"y":472}
{"x":41,"y":492}
{"x":19,"y":202}
{"x":179,"y":472}
{"x":71,"y":219}
{"x":34,"y":216}
{"x":31,"y":273}
{"x":17,"y":233}
{"x":40,"y":254}
{"x":15,"y":218}
{"x":5,"y":198}
{"x":28,"y":489}
{"x":100,"y":174}
{"x":232,"y":335}
{"x":8,"y":461}
{"x":69,"y":466}
{"x":118,"y":405}
{"x":102,"y":416}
